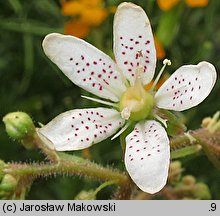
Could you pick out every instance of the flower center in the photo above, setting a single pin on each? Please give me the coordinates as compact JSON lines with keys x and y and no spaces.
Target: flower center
{"x":136,"y":103}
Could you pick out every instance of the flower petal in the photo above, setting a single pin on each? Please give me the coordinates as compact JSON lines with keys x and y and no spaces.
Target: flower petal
{"x":81,"y":128}
{"x":147,"y":156}
{"x":85,"y":65}
{"x":134,"y":42}
{"x":187,"y":87}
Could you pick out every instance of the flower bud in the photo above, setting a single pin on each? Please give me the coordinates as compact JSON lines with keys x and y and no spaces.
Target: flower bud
{"x":8,"y":183}
{"x":189,"y":180}
{"x":19,"y":125}
{"x":206,"y":121}
{"x":175,"y":170}
{"x":86,"y":195}
{"x":201,"y":191}
{"x":1,"y":169}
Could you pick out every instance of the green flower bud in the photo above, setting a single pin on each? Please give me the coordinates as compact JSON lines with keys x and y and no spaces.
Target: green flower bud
{"x":175,"y":170}
{"x":201,"y":191}
{"x":189,"y":180}
{"x":86,"y":195}
{"x":8,"y":183}
{"x":19,"y":125}
{"x":2,"y":163}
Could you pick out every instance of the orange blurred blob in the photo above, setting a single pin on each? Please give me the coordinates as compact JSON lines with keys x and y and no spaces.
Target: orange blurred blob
{"x":197,"y":3}
{"x":159,"y":49}
{"x":85,"y":15}
{"x":76,"y":28}
{"x":94,"y":17}
{"x":159,"y":84}
{"x":167,"y":4}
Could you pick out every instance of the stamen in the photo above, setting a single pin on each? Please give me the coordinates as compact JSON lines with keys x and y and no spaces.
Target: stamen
{"x":165,"y":63}
{"x":100,"y":101}
{"x":163,"y":121}
{"x":121,"y":131}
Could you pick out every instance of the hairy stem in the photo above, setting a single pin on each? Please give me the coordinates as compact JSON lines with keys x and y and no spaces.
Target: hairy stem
{"x":210,"y":143}
{"x":70,"y":165}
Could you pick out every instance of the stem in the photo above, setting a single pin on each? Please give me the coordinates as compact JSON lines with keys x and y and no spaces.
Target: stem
{"x":68,"y":164}
{"x":183,"y":140}
{"x":211,"y":156}
{"x":209,"y":142}
{"x":189,"y":150}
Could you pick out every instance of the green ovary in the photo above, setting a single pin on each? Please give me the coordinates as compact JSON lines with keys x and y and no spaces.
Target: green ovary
{"x":138,"y":101}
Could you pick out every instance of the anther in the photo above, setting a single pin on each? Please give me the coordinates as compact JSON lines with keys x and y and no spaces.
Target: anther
{"x":167,"y":62}
{"x":125,"y":113}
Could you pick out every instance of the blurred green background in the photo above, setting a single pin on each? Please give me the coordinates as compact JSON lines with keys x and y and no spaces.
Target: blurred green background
{"x":29,"y":82}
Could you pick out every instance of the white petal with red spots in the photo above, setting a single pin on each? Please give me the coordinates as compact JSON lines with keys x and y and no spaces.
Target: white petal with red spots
{"x":147,"y":156}
{"x":85,"y":65}
{"x":80,"y":128}
{"x":133,"y":42}
{"x":187,"y":87}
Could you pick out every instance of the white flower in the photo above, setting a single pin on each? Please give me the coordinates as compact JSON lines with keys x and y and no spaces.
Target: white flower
{"x":147,"y":154}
